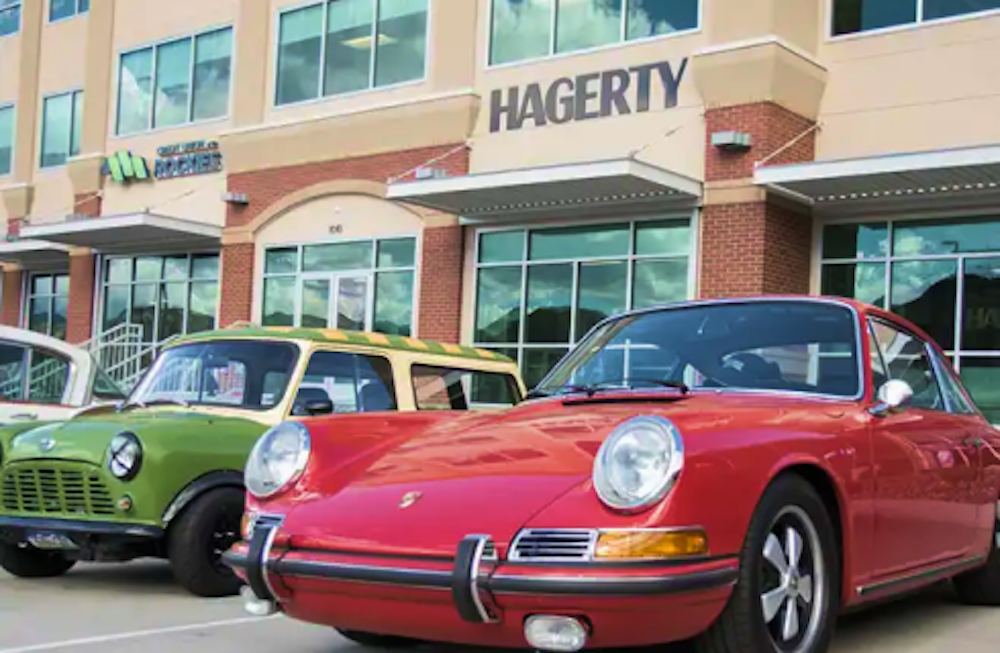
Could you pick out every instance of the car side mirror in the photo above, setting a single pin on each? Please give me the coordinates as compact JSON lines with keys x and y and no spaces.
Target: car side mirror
{"x":893,"y":395}
{"x":318,"y":407}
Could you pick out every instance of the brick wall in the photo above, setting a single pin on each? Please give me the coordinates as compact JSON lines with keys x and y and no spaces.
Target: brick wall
{"x":81,"y":298}
{"x":264,"y":187}
{"x":441,"y":262}
{"x":440,"y":300}
{"x":79,"y":321}
{"x":236,"y":292}
{"x":754,"y":248}
{"x":12,"y":287}
{"x":771,"y":126}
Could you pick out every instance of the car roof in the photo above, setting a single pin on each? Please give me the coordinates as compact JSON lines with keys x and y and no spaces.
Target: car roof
{"x":343,"y":336}
{"x":77,"y":354}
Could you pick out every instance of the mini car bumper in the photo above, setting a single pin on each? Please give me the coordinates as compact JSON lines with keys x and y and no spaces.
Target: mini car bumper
{"x":477,"y":600}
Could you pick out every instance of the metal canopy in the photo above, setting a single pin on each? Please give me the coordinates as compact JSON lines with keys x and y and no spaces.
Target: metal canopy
{"x":964,"y":175}
{"x":128,"y":233}
{"x":573,"y":188}
{"x":34,"y":254}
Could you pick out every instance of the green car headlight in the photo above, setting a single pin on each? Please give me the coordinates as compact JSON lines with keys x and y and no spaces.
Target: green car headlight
{"x":125,"y":456}
{"x":278,"y":459}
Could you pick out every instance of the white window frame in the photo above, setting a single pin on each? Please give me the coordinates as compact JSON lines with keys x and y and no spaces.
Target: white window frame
{"x":76,"y":12}
{"x":72,"y":121}
{"x":915,"y":24}
{"x":371,"y":271}
{"x":322,"y":55}
{"x":18,"y":6}
{"x":630,"y":259}
{"x":554,"y":21}
{"x":13,"y":136}
{"x":150,"y":127}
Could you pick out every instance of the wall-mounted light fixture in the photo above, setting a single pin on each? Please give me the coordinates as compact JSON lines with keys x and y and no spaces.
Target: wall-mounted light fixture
{"x":236,"y":198}
{"x":732,"y":141}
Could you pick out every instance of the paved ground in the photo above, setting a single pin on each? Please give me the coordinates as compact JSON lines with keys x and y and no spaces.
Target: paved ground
{"x":126,"y":608}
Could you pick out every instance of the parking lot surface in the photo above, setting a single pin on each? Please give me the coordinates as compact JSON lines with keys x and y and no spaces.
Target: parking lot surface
{"x":126,"y":608}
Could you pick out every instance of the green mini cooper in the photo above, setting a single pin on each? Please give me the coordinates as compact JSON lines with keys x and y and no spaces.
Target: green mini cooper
{"x":161,"y":474}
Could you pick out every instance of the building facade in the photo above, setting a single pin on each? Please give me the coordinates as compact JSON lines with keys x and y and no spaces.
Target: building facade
{"x":497,"y":172}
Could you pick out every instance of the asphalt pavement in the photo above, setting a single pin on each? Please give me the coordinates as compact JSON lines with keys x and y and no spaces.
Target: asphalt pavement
{"x":133,"y":607}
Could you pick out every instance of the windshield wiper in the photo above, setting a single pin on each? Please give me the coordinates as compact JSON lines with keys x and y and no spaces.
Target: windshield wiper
{"x":609,"y":384}
{"x":153,"y":402}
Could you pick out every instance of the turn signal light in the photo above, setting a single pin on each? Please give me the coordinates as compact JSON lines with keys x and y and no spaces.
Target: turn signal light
{"x":246,"y":525}
{"x":651,"y":544}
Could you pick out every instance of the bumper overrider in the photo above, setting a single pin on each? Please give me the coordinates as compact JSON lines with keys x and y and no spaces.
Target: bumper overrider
{"x":474,"y":598}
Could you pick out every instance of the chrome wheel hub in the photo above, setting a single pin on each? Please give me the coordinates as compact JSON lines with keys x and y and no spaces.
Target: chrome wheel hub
{"x":792,"y":598}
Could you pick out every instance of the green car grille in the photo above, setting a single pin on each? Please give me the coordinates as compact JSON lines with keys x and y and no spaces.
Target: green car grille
{"x":47,"y":489}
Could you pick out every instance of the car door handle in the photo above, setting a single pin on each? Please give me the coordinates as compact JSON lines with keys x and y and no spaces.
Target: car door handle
{"x":25,"y":416}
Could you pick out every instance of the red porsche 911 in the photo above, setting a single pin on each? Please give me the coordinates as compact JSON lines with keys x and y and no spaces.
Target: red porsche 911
{"x":734,"y":472}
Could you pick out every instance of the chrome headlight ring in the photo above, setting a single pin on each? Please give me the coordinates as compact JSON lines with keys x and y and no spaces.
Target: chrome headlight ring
{"x":278,"y":459}
{"x":639,"y":463}
{"x":125,"y":456}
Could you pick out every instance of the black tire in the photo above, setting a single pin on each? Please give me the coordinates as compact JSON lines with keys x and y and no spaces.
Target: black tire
{"x":199,"y":536}
{"x":378,"y":641}
{"x":981,"y":586}
{"x":29,"y":562}
{"x":790,"y":502}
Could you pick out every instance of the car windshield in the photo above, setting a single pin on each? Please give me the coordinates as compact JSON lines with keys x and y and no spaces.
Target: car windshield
{"x":782,"y":346}
{"x":248,"y":374}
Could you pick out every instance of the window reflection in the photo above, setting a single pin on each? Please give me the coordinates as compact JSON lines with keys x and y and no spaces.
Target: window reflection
{"x":862,"y":281}
{"x":550,"y":292}
{"x":582,"y":24}
{"x":981,"y":377}
{"x":48,"y":304}
{"x":981,"y":317}
{"x":925,"y":292}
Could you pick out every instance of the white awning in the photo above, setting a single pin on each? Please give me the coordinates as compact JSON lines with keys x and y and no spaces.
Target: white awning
{"x":580,"y":188}
{"x":34,"y":254}
{"x":960,"y":176}
{"x":133,"y":232}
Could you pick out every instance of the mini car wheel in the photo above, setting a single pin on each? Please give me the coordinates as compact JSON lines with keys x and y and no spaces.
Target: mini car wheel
{"x":199,"y":537}
{"x":787,"y":594}
{"x":982,"y":586}
{"x":33,"y":563}
{"x":377,"y":641}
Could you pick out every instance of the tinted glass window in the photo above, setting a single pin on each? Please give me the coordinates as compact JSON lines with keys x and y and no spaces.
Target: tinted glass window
{"x":354,"y":383}
{"x":777,"y":346}
{"x":442,"y":388}
{"x":906,"y":359}
{"x":951,"y":386}
{"x":105,"y":389}
{"x":47,"y":378}
{"x":12,"y":362}
{"x":851,"y":16}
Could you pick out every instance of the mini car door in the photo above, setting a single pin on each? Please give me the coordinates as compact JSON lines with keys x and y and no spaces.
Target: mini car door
{"x":33,"y":384}
{"x":921,"y":463}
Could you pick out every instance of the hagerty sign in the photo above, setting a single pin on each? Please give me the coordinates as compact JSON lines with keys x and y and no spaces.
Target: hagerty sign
{"x":617,"y":91}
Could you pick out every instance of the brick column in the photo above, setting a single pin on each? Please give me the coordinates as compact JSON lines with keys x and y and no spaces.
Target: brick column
{"x":80,"y":320}
{"x":236,"y":287}
{"x":12,"y":287}
{"x":440,"y":316}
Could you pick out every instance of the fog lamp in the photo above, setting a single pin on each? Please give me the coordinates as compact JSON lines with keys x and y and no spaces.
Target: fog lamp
{"x":555,"y":633}
{"x":651,"y":544}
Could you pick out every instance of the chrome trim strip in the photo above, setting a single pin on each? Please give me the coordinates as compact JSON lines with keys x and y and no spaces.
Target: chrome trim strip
{"x":265,"y":557}
{"x":477,"y":557}
{"x":921,"y":575}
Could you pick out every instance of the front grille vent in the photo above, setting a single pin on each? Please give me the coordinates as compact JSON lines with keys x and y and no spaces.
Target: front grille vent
{"x":49,"y":490}
{"x":553,"y":544}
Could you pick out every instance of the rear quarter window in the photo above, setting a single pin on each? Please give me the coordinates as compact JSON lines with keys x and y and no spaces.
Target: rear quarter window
{"x":451,"y":388}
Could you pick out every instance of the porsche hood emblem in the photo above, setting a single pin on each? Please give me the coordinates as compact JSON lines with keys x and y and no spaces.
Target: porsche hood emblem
{"x":409,"y":499}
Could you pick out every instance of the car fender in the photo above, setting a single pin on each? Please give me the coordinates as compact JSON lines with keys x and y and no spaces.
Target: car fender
{"x":197,"y":487}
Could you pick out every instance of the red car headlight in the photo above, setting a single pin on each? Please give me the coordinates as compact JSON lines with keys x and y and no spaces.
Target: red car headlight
{"x":638,"y":463}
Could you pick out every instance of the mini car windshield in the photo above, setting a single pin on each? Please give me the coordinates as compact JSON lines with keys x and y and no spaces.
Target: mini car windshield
{"x":777,"y":346}
{"x":248,"y":374}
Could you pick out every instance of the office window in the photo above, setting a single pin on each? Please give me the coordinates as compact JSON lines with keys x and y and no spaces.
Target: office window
{"x":6,"y":140}
{"x":343,"y":46}
{"x":853,"y":16}
{"x":60,"y":9}
{"x":10,"y":17}
{"x":529,"y":29}
{"x":174,"y":83}
{"x":48,"y":304}
{"x":61,"y":123}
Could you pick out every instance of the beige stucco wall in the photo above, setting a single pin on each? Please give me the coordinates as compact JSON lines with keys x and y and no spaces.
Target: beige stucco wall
{"x":358,"y":216}
{"x":63,"y":43}
{"x":927,"y":87}
{"x":53,"y":196}
{"x":10,"y":47}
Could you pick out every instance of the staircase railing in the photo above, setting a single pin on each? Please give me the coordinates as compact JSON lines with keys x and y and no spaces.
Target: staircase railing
{"x":123,"y":353}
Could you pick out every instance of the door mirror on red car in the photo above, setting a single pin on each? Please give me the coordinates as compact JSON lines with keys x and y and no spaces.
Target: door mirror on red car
{"x":893,"y":394}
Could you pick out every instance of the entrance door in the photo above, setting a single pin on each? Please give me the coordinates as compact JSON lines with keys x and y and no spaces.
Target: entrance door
{"x":338,"y":301}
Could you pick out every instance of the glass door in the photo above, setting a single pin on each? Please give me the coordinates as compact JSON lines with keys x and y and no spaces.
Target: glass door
{"x":338,"y":301}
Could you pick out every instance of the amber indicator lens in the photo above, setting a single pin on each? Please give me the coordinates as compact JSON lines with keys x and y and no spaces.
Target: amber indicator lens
{"x":246,"y":525}
{"x":651,"y":544}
